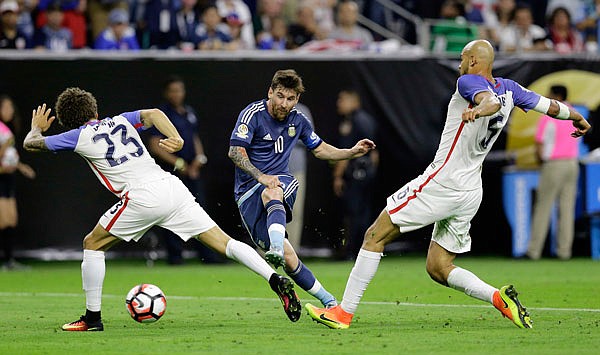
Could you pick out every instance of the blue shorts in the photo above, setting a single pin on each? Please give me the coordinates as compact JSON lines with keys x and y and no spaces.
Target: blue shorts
{"x":254,"y":213}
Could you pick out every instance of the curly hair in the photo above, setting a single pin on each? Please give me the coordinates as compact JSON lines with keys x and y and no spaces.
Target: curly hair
{"x":288,"y":79}
{"x":74,"y":107}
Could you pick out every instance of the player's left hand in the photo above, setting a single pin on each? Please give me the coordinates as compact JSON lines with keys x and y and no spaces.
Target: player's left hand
{"x":171,"y":144}
{"x":362,"y":147}
{"x":40,"y":118}
{"x":582,"y":127}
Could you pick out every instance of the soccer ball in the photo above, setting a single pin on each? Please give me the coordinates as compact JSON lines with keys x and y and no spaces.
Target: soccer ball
{"x":146,"y":303}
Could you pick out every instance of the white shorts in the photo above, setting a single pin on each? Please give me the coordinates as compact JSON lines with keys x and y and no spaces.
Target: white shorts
{"x":423,"y":201}
{"x":166,"y":203}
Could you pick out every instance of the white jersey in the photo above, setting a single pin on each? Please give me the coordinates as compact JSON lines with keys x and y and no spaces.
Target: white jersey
{"x":464,"y":146}
{"x":114,"y":150}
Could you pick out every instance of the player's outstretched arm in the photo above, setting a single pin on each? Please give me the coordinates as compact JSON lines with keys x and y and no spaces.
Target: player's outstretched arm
{"x":157,"y":118}
{"x":326,"y":151}
{"x":40,"y":122}
{"x":561,"y":111}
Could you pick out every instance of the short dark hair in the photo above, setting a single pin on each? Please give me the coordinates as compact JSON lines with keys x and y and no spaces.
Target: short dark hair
{"x":74,"y":107}
{"x":560,"y":91}
{"x":172,"y":79}
{"x":287,"y":79}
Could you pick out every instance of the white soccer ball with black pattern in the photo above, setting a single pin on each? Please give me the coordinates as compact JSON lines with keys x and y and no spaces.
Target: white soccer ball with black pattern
{"x":146,"y":303}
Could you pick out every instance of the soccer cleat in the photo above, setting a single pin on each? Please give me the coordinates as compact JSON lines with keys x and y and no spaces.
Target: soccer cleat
{"x":81,"y":325}
{"x":506,"y":301}
{"x":334,"y":317}
{"x":275,"y":257}
{"x":284,"y":288}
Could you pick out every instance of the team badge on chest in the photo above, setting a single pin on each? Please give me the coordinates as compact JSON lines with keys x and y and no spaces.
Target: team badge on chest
{"x":291,"y":131}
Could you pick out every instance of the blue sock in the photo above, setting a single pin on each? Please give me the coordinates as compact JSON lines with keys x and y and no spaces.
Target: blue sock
{"x":276,"y":223}
{"x":304,"y":278}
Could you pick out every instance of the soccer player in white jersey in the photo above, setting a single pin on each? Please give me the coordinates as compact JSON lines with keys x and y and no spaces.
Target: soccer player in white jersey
{"x":148,"y":195}
{"x":449,"y":192}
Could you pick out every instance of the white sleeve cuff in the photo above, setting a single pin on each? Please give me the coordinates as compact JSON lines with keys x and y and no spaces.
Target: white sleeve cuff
{"x":543,"y":105}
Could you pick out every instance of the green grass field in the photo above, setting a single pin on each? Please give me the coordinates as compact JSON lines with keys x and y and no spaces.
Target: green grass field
{"x":226,"y":309}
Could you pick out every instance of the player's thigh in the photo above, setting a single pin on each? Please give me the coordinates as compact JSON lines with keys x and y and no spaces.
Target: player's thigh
{"x":452,"y":233}
{"x":420,"y":203}
{"x":186,"y":218}
{"x":254,"y":218}
{"x":130,"y":218}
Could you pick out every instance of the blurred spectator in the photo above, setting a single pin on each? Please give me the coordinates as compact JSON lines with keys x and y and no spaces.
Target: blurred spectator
{"x":234,"y":27}
{"x":558,"y":152}
{"x":523,"y":35}
{"x":160,"y":24}
{"x":267,"y":10}
{"x":323,"y":14}
{"x":187,"y":163}
{"x":564,"y":36}
{"x":305,"y":29}
{"x":499,"y":20}
{"x":276,"y":38}
{"x":52,"y":35}
{"x":187,"y":20}
{"x":73,"y":19}
{"x":9,"y":165}
{"x":119,"y":35}
{"x":10,"y":35}
{"x":353,"y":179}
{"x":587,"y":20}
{"x":213,"y":33}
{"x":238,"y":15}
{"x":347,"y":29}
{"x":98,"y":12}
{"x":453,"y":10}
{"x":25,"y":22}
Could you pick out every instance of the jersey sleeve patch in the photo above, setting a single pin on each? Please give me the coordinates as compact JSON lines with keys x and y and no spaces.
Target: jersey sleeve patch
{"x":470,"y":85}
{"x":64,"y":141}
{"x":134,"y":118}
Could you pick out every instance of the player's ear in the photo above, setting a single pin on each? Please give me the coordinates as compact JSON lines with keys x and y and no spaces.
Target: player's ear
{"x":270,"y":93}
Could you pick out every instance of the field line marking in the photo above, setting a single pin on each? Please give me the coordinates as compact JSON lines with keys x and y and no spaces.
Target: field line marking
{"x":406,"y":304}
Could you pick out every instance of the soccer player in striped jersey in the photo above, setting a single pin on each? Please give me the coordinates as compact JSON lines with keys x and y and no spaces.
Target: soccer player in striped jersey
{"x":147,"y":194}
{"x":260,"y":146}
{"x":449,"y":192}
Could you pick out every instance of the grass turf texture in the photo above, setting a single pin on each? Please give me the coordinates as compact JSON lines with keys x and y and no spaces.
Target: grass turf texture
{"x":227,"y":309}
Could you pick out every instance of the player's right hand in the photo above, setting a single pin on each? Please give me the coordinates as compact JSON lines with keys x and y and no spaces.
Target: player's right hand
{"x":270,"y":181}
{"x":582,"y":127}
{"x":40,"y":118}
{"x":171,"y":144}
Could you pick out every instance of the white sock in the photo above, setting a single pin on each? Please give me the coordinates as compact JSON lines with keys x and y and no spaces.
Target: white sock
{"x":467,"y":282}
{"x":362,"y":273}
{"x":92,"y":276}
{"x":245,"y":255}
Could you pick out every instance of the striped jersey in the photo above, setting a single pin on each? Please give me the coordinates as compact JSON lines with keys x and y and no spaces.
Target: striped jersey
{"x":464,"y":146}
{"x":269,"y":142}
{"x":114,"y":151}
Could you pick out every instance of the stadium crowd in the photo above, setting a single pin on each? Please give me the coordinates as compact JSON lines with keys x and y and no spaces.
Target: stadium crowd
{"x":564,"y":26}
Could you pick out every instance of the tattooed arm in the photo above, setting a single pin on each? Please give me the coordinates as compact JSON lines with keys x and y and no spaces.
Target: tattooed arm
{"x":40,"y":122}
{"x":34,"y":141}
{"x":239,"y":156}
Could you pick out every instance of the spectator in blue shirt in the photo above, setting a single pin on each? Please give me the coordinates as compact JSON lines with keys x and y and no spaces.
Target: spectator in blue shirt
{"x":119,"y":35}
{"x":53,"y":36}
{"x":213,"y":32}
